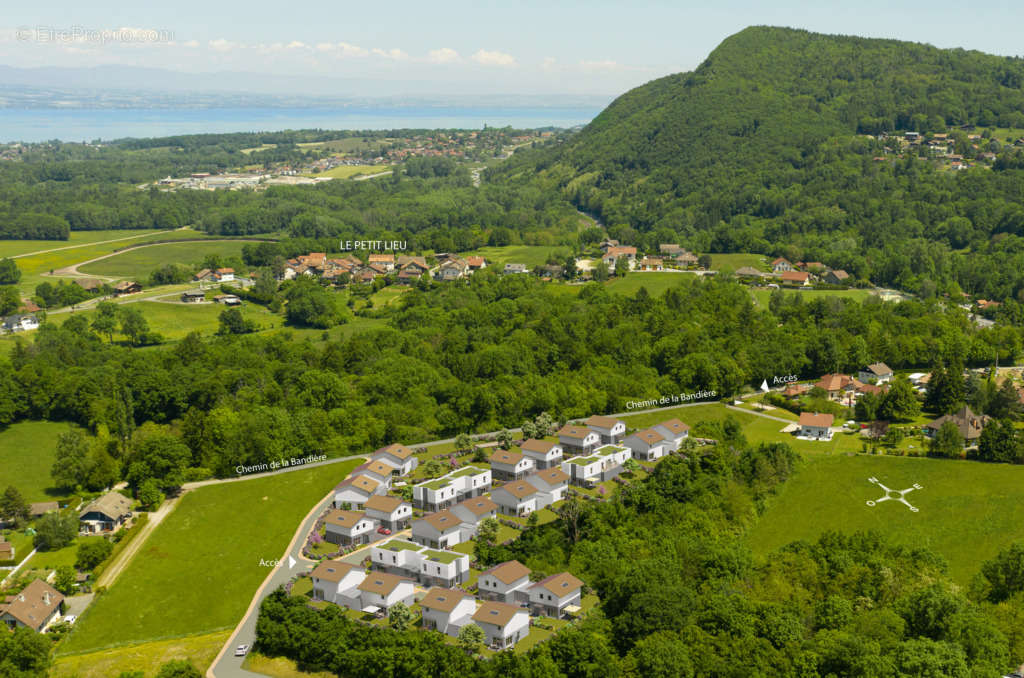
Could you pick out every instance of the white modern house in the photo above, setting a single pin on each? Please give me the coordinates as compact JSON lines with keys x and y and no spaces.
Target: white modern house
{"x":447,"y":610}
{"x":438,"y":530}
{"x":674,"y":432}
{"x":441,"y":493}
{"x":19,"y":323}
{"x":347,"y":527}
{"x":420,"y":563}
{"x":576,"y":439}
{"x":551,"y":485}
{"x":814,"y":426}
{"x":517,"y":498}
{"x":647,"y":445}
{"x":397,"y":456}
{"x":379,"y":591}
{"x":377,"y":470}
{"x":503,"y":625}
{"x":355,"y":491}
{"x":506,"y":583}
{"x":556,"y":595}
{"x":389,"y":512}
{"x":603,"y":464}
{"x":474,"y":511}
{"x":336,"y":582}
{"x":610,"y":429}
{"x":876,"y":373}
{"x":544,"y":453}
{"x":510,"y":465}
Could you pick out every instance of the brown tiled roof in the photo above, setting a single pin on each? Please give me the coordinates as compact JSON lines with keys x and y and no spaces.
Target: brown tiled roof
{"x":113,"y":504}
{"x":577,"y":432}
{"x":552,"y":476}
{"x":380,"y":583}
{"x":601,"y":422}
{"x":507,"y":457}
{"x":508,"y":572}
{"x":559,"y":584}
{"x":649,"y":436}
{"x":364,"y":483}
{"x":396,"y":449}
{"x":816,"y":419}
{"x":443,"y":599}
{"x":834,"y":382}
{"x":498,"y":614}
{"x":879,"y":369}
{"x":40,"y":508}
{"x":479,"y":505}
{"x":344,"y":518}
{"x":383,"y":502}
{"x":542,"y":446}
{"x":442,"y":520}
{"x":520,"y":489}
{"x":675,"y":426}
{"x":379,"y":468}
{"x":34,"y":604}
{"x":794,"y":276}
{"x":333,"y":570}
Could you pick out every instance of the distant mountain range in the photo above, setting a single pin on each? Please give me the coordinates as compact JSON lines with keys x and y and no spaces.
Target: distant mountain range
{"x":115,"y":86}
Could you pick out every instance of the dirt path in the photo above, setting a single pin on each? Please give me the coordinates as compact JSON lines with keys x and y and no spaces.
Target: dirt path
{"x":88,"y":244}
{"x":126,"y":556}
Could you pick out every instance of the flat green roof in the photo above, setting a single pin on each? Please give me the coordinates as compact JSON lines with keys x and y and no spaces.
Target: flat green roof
{"x":445,"y":557}
{"x":400,"y":545}
{"x":437,"y":483}
{"x":468,"y":471}
{"x":585,"y":461}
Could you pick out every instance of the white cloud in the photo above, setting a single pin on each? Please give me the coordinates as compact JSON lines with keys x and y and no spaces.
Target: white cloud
{"x":444,"y":55}
{"x":394,"y":53}
{"x":494,"y":58}
{"x":605,"y":65}
{"x":222,"y":45}
{"x":295,"y":44}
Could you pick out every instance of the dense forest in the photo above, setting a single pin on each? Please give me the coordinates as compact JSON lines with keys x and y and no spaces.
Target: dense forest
{"x":456,"y":358}
{"x":682,"y":596}
{"x":774,"y":145}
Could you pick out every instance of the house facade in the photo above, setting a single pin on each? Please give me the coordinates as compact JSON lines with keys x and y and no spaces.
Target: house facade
{"x":611,"y":430}
{"x":505,"y":583}
{"x":556,"y":595}
{"x":603,"y":464}
{"x":36,"y":607}
{"x":389,"y":512}
{"x":353,"y":492}
{"x":647,"y":445}
{"x":398,"y":457}
{"x":576,"y":439}
{"x":878,"y":373}
{"x":503,"y":625}
{"x":552,"y":485}
{"x":474,"y":511}
{"x":510,"y":465}
{"x":544,"y":453}
{"x":447,"y":610}
{"x":336,"y":582}
{"x":439,"y":530}
{"x":346,"y":528}
{"x":815,"y":426}
{"x":379,"y":591}
{"x":105,"y":514}
{"x":516,"y":498}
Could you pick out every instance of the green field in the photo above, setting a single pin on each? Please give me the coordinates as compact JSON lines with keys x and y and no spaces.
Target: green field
{"x":18,"y":248}
{"x":738,"y":260}
{"x":139,"y":262}
{"x":968,"y":510}
{"x":27,"y":451}
{"x":200,"y":568}
{"x":656,"y":283}
{"x":348,"y":171}
{"x":531,"y":255}
{"x":146,"y":657}
{"x":763,"y":296}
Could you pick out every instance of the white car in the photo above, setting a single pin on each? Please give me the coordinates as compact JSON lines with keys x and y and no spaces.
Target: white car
{"x":70,"y":619}
{"x":241,"y":650}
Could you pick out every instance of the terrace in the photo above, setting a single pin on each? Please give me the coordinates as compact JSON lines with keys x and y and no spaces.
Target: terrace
{"x":446,"y":557}
{"x":397,"y":545}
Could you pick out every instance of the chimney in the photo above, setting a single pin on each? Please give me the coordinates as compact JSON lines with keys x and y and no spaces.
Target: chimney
{"x":46,"y":598}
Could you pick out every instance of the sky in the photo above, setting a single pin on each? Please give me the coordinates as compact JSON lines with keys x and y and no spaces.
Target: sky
{"x":460,"y":47}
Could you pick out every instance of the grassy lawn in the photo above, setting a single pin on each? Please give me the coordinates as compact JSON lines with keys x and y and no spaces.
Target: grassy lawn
{"x":278,"y":667}
{"x":138,"y":263}
{"x":146,"y":657}
{"x":690,"y":415}
{"x":763,"y":295}
{"x":656,"y":283}
{"x":199,"y":569}
{"x":27,"y":451}
{"x":531,"y":255}
{"x":738,"y":260}
{"x":51,"y":560}
{"x":14,"y":248}
{"x":348,"y":171}
{"x":968,"y":510}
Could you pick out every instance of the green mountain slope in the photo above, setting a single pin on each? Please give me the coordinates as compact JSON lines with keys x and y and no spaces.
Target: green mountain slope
{"x":771,"y":145}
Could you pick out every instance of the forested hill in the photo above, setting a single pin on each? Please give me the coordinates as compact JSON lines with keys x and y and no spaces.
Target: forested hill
{"x":765,"y":147}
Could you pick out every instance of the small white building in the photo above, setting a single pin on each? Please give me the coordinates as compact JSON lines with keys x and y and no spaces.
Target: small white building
{"x":379,"y":591}
{"x":355,"y":491}
{"x":552,"y":485}
{"x":814,"y":426}
{"x":610,"y":429}
{"x":544,"y":453}
{"x":389,"y":512}
{"x":674,"y":432}
{"x":647,"y":445}
{"x":336,"y":582}
{"x":447,"y":610}
{"x":510,"y":465}
{"x":517,"y":498}
{"x":576,"y":439}
{"x":397,"y":456}
{"x":603,"y":464}
{"x":443,"y":568}
{"x":474,"y":511}
{"x":503,"y":625}
{"x":556,"y":595}
{"x":439,"y":530}
{"x":347,"y":527}
{"x":506,"y":583}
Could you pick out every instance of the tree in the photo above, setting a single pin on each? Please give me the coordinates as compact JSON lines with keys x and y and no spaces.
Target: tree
{"x":899,"y":402}
{"x":621,"y":266}
{"x":55,"y":531}
{"x":13,"y":507}
{"x":998,"y":442}
{"x":569,"y":269}
{"x":866,"y":408}
{"x":1005,"y":402}
{"x":433,"y":468}
{"x":71,"y":466}
{"x":159,"y":455}
{"x":310,"y":305}
{"x":133,"y":325}
{"x":65,"y":580}
{"x":945,"y":389}
{"x":631,"y":465}
{"x":150,"y":495}
{"x":91,"y":552}
{"x":947,"y":441}
{"x":486,"y":539}
{"x":571,"y":512}
{"x":399,"y":616}
{"x":233,"y":322}
{"x":601,"y":272}
{"x":505,"y":438}
{"x":660,"y":655}
{"x":105,"y":321}
{"x":704,"y":261}
{"x":178,"y":668}
{"x":9,"y":273}
{"x":470,"y":638}
{"x":1003,"y":576}
{"x":463,"y":442}
{"x":9,"y":300}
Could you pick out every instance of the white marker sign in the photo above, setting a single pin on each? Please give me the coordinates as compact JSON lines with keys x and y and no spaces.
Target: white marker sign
{"x":895,"y":495}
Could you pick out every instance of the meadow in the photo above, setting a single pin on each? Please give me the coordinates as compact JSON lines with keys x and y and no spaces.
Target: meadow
{"x":138,"y":263}
{"x":349,"y":171}
{"x":76,"y":239}
{"x":968,"y":510}
{"x":200,"y":650}
{"x":763,"y":295}
{"x":27,"y":452}
{"x":736,"y":260}
{"x":200,"y":568}
{"x":531,"y":255}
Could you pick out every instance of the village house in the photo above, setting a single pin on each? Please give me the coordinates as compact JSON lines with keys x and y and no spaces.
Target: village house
{"x":748,"y":272}
{"x":505,"y":583}
{"x":6,"y":550}
{"x":608,"y":243}
{"x":878,"y":373}
{"x":41,"y":508}
{"x":380,"y":591}
{"x":389,"y":512}
{"x":795,"y":278}
{"x":814,"y":426}
{"x":967,"y":422}
{"x":440,"y":493}
{"x":126,"y":287}
{"x":576,"y":439}
{"x":474,"y":511}
{"x":651,"y":264}
{"x":510,"y":465}
{"x":386,"y":262}
{"x":781,"y":265}
{"x":686,"y":259}
{"x":346,"y":528}
{"x":517,"y":498}
{"x":105,"y":514}
{"x":36,"y":607}
{"x":503,"y":625}
{"x":453,"y":269}
{"x":544,"y":453}
{"x":447,"y":610}
{"x":378,"y":471}
{"x":556,"y":595}
{"x":398,"y":457}
{"x":193,"y":296}
{"x":795,"y":391}
{"x":610,"y":429}
{"x":89,"y":284}
{"x":397,"y":556}
{"x":646,"y":445}
{"x":438,"y":530}
{"x":476,"y":263}
{"x":601,"y":465}
{"x":203,"y":275}
{"x":335,"y":581}
{"x":20,"y":323}
{"x":443,"y":568}
{"x":552,"y":485}
{"x":674,"y":432}
{"x":355,"y":490}
{"x":516,"y":268}
{"x":224,"y":275}
{"x":837,"y":277}
{"x":836,"y":385}
{"x":669,"y":249}
{"x":613,"y":254}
